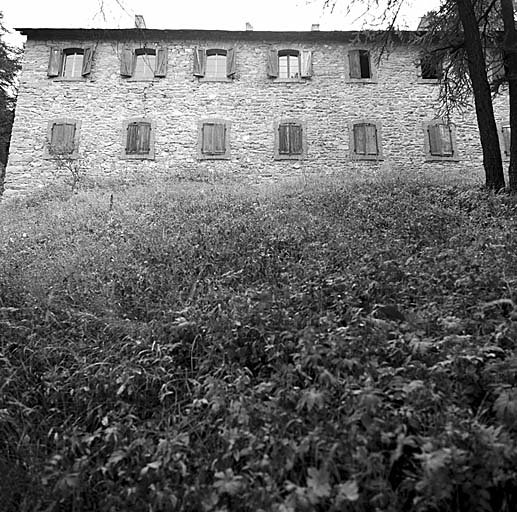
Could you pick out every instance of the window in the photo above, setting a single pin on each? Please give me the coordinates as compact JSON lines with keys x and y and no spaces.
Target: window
{"x":138,"y":139}
{"x":359,"y":65}
{"x":506,"y":140}
{"x":289,"y":65}
{"x":62,"y":138}
{"x":214,"y":64}
{"x":70,"y":63}
{"x":365,"y":140}
{"x":214,"y":140}
{"x":440,"y":141}
{"x":144,"y":63}
{"x":290,"y":140}
{"x":430,"y":67}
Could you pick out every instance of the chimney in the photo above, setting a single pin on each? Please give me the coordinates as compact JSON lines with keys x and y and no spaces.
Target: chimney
{"x":248,"y":26}
{"x":315,"y":27}
{"x":139,"y":21}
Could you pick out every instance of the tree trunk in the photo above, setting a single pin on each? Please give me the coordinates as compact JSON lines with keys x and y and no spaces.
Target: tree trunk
{"x":510,"y":60}
{"x":492,"y":160}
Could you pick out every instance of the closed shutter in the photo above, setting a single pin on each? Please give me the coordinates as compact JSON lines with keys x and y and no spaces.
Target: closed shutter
{"x":231,"y":65}
{"x":214,"y":139}
{"x":354,"y":63}
{"x":435,"y":141}
{"x":371,"y":145}
{"x":283,"y":139}
{"x":62,"y":138}
{"x":272,"y":63}
{"x":446,"y":138}
{"x":360,"y":139}
{"x":199,"y":62}
{"x":506,"y":139}
{"x":54,"y":62}
{"x":138,"y":140}
{"x":126,"y":62}
{"x":161,"y":62}
{"x":295,"y":139}
{"x":87,"y":61}
{"x":306,"y":57}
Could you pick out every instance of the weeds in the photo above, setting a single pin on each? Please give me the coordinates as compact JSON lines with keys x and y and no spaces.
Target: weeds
{"x":291,"y":347}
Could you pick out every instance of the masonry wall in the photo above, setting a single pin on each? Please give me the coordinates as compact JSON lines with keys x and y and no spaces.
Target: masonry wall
{"x":251,"y":102}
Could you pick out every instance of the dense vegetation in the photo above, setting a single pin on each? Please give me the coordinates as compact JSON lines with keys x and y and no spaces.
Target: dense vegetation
{"x":306,"y":347}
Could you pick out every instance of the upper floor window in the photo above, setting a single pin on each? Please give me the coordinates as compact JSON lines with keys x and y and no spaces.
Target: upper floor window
{"x":62,"y":138}
{"x":360,"y":67}
{"x":138,"y":139}
{"x":290,"y":140}
{"x":144,"y":63}
{"x":70,"y":63}
{"x":214,"y":64}
{"x":440,"y":141}
{"x":289,"y":64}
{"x":430,"y":67}
{"x":365,"y":140}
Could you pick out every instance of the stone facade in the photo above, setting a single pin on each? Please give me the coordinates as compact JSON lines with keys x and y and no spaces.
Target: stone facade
{"x":327,"y":104}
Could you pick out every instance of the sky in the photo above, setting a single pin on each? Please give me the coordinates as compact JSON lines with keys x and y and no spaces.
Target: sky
{"x":195,"y":14}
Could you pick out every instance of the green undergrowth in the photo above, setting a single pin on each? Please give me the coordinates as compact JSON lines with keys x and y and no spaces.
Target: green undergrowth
{"x":306,"y":346}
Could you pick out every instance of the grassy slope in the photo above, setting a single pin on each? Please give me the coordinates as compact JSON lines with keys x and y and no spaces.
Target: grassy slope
{"x":202,"y":347}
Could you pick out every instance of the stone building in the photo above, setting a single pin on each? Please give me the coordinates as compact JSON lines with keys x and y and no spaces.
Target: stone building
{"x":136,"y":102}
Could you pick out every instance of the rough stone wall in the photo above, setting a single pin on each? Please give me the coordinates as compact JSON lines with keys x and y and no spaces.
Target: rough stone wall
{"x":252,"y":102}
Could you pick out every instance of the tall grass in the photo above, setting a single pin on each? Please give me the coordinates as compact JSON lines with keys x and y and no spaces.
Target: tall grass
{"x":304,"y":345}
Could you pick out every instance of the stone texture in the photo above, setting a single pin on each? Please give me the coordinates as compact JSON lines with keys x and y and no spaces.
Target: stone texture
{"x":251,"y":102}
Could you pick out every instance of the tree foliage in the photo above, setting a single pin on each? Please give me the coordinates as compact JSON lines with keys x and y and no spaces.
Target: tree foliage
{"x":9,"y":67}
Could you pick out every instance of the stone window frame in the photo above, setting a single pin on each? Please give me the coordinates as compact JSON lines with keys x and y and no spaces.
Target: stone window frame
{"x":47,"y":154}
{"x":227,"y":127}
{"x":57,"y":57}
{"x":200,"y":60}
{"x":276,"y":126}
{"x":305,"y":60}
{"x":455,"y":157}
{"x":505,"y":150}
{"x":128,"y":58}
{"x":423,"y":80}
{"x":373,"y":79}
{"x":152,"y":136}
{"x":378,"y":132}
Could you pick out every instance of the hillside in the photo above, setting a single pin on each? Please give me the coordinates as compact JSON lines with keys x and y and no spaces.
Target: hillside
{"x":310,"y":346}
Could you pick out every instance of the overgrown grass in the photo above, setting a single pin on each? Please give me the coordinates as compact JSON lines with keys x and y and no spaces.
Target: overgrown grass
{"x":301,"y":346}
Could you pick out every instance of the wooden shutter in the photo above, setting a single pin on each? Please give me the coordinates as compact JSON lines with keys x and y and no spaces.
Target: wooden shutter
{"x":144,"y":138}
{"x":214,"y":139}
{"x":132,"y":138}
{"x":371,"y":147}
{"x":230,"y":63}
{"x":161,"y":62}
{"x":435,"y":139}
{"x":87,"y":61}
{"x":283,"y":139}
{"x":506,"y":139}
{"x":199,"y":62}
{"x":295,"y":139}
{"x":126,"y":62}
{"x":54,"y":62}
{"x":446,"y":139}
{"x":62,"y":138}
{"x":354,"y":64}
{"x":360,"y":139}
{"x":272,"y":63}
{"x":306,"y":57}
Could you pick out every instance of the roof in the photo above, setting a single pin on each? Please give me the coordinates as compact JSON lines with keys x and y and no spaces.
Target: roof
{"x":138,"y":33}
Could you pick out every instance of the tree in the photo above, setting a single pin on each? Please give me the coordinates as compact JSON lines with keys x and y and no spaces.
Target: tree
{"x":9,"y":67}
{"x":465,"y":31}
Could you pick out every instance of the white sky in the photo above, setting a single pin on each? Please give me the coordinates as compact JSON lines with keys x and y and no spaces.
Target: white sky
{"x":195,"y":14}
